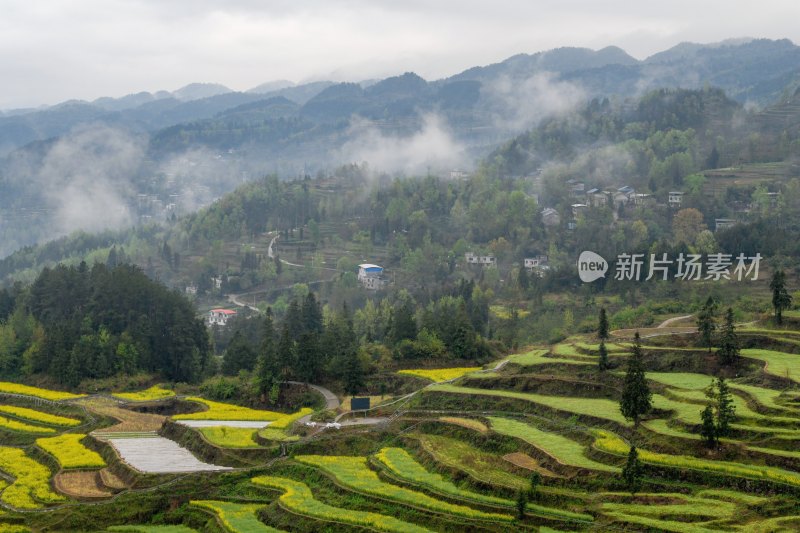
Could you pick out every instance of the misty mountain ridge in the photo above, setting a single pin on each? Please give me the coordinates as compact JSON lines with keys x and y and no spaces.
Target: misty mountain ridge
{"x":749,"y":70}
{"x":187,"y":153}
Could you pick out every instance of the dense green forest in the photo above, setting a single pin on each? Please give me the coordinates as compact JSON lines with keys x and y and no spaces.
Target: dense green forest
{"x":75,"y":323}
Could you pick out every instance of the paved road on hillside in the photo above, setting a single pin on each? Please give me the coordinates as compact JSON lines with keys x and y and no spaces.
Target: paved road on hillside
{"x":668,"y":322}
{"x":331,"y":400}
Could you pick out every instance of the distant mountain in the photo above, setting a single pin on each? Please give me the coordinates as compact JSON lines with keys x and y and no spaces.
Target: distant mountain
{"x":18,"y":130}
{"x":129,"y":101}
{"x":749,"y":70}
{"x":271,"y":86}
{"x":196,"y":91}
{"x":755,"y":71}
{"x":559,"y":60}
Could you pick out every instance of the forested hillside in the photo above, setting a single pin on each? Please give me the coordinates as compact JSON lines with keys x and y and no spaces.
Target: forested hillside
{"x":76,"y":323}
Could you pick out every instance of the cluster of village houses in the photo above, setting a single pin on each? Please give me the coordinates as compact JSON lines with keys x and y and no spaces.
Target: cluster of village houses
{"x":623,"y":196}
{"x":372,"y":277}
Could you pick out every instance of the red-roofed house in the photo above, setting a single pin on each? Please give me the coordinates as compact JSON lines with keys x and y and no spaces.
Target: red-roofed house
{"x":220,"y":316}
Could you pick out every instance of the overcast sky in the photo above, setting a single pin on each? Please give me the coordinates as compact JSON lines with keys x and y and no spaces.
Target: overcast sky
{"x":54,"y":50}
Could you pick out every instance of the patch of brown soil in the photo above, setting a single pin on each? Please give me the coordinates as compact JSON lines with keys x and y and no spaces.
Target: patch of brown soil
{"x":80,"y":484}
{"x":111,"y":480}
{"x":527,"y":462}
{"x":129,"y":420}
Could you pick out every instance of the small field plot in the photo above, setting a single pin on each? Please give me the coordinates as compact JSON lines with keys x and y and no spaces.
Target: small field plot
{"x":153,"y":529}
{"x":469,"y":423}
{"x":31,"y":486}
{"x":781,"y":364}
{"x":405,"y":467}
{"x":11,"y":424}
{"x":226,"y":411}
{"x":611,"y":443}
{"x":36,"y":392}
{"x":70,"y":452}
{"x":480,"y":466}
{"x":298,"y":498}
{"x":686,"y":380}
{"x":230,"y":437}
{"x":130,"y":421}
{"x":539,"y":357}
{"x":41,"y":417}
{"x":252,"y":424}
{"x":157,"y":455}
{"x":353,"y":473}
{"x":681,"y":504}
{"x":147,"y":395}
{"x":80,"y":484}
{"x":237,"y":517}
{"x":439,"y":375}
{"x":596,"y":407}
{"x":564,"y":450}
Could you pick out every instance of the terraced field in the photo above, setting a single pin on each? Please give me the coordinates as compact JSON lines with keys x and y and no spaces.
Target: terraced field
{"x":236,"y":516}
{"x":30,"y":488}
{"x":543,"y":428}
{"x":564,"y":450}
{"x":439,"y":375}
{"x":594,"y":407}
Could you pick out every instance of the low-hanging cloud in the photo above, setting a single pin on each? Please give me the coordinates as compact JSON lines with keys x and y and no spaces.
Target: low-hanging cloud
{"x":517,"y":104}
{"x":86,"y":176}
{"x":432,"y":147}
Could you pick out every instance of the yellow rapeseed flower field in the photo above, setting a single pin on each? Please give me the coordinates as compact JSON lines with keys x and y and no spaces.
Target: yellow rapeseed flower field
{"x":39,"y":416}
{"x":21,"y":427}
{"x":227,"y":411}
{"x":153,"y":393}
{"x":31,"y":480}
{"x":36,"y":392}
{"x":438,"y":375}
{"x":69,"y":452}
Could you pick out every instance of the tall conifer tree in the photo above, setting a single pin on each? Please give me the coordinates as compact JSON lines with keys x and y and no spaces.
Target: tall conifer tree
{"x":636,"y":396}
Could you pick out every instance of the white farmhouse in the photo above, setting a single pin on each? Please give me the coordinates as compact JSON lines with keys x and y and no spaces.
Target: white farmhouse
{"x":485,"y":260}
{"x":675,"y":198}
{"x":371,"y":276}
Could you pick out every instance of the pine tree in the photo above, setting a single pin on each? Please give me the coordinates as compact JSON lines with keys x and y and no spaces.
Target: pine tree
{"x":602,"y":325}
{"x":603,"y":361}
{"x":706,"y":324}
{"x":708,"y":429}
{"x":311,"y":314}
{"x":293,"y":321}
{"x":728,"y":342}
{"x":286,"y":354}
{"x":632,"y":471}
{"x":404,"y":324}
{"x":268,"y":369}
{"x":309,"y":357}
{"x":781,"y":299}
{"x":522,"y":279}
{"x":522,"y":503}
{"x":726,"y":410}
{"x":238,"y":356}
{"x":636,"y":396}
{"x":535,"y":480}
{"x":353,"y":373}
